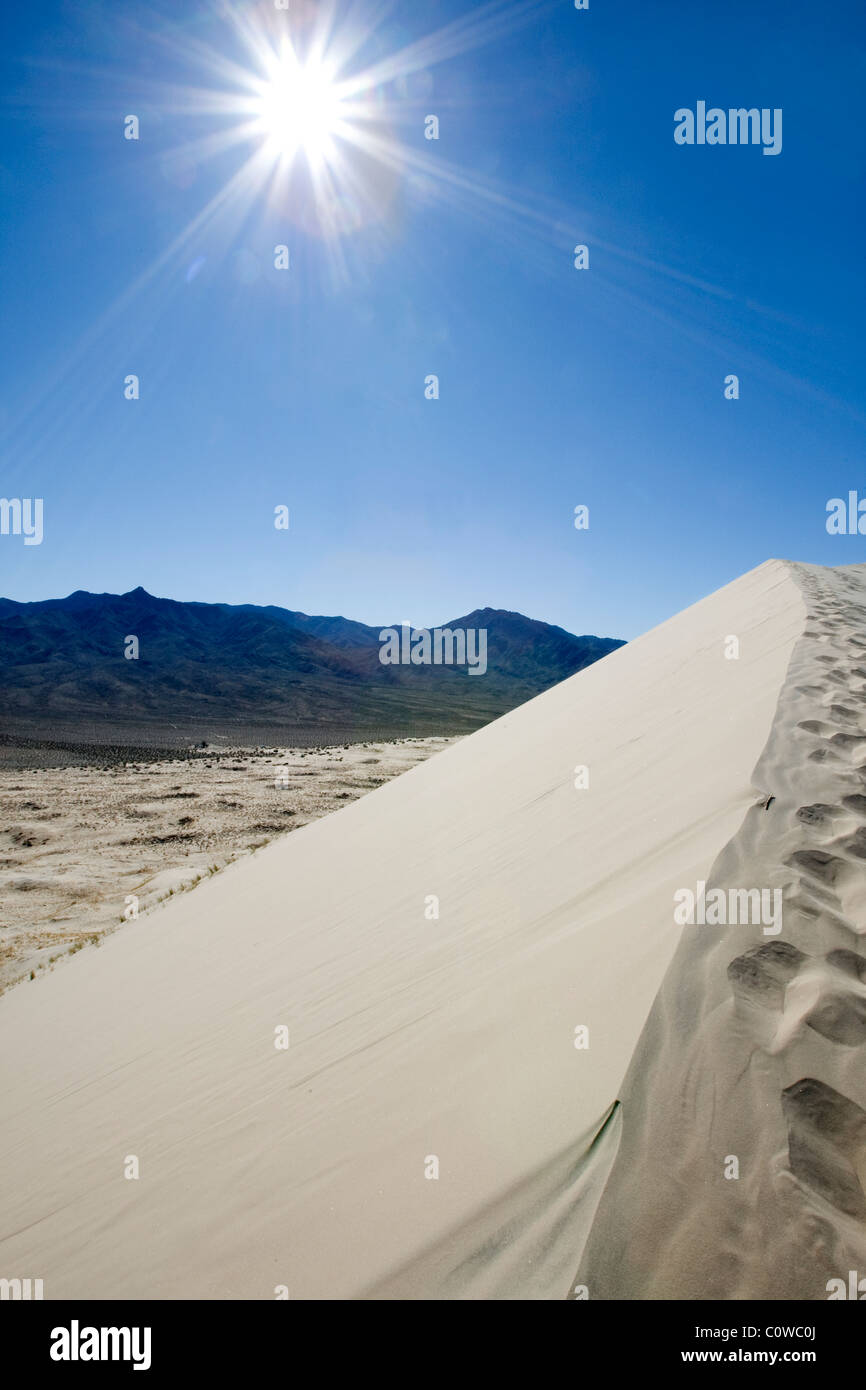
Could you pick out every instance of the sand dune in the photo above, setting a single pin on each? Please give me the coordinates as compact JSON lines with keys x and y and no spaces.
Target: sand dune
{"x":754,"y":1049}
{"x":415,"y":1037}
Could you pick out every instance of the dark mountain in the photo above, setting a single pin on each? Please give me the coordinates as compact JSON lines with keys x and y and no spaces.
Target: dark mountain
{"x":267,"y":673}
{"x":343,"y":632}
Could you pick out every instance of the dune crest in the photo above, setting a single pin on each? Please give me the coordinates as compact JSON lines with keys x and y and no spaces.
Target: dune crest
{"x":753,"y":1050}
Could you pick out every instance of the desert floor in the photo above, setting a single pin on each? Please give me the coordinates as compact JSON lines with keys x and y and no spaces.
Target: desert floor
{"x":84,"y":847}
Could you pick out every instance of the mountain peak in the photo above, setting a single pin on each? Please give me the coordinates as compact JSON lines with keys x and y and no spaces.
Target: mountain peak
{"x":208,"y":665}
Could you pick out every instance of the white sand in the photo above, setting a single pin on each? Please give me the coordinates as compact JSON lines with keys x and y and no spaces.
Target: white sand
{"x":409,"y":1037}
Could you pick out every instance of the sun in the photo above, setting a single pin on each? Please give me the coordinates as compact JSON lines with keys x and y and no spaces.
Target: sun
{"x":298,"y":109}
{"x":316,"y":102}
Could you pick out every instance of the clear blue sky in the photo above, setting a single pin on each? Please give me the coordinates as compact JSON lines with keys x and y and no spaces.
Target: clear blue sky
{"x":558,"y":387}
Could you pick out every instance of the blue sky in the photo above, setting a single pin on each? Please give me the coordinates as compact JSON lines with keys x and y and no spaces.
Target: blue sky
{"x":557,"y":387}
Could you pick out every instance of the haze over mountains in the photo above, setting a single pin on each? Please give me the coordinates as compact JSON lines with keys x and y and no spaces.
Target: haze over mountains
{"x":216,"y":670}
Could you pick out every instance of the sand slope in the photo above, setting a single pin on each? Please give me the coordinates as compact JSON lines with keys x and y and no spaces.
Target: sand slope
{"x":410,"y":1037}
{"x":754,"y":1048}
{"x":80,"y":843}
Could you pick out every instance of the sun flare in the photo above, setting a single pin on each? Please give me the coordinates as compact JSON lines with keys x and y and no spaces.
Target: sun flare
{"x":299,"y":109}
{"x":319,"y":107}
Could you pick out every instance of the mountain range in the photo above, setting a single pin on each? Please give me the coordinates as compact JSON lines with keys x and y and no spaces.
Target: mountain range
{"x":266,"y":673}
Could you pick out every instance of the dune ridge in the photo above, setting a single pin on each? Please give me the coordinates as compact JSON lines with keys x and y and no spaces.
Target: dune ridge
{"x":412,"y":1036}
{"x":753,"y":1048}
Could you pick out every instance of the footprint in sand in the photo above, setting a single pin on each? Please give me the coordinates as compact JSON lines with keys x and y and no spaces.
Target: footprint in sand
{"x":817,"y":864}
{"x":845,"y":714}
{"x":821,"y":814}
{"x":837,"y":880}
{"x":827,"y":1143}
{"x":824,"y":755}
{"x":781,"y":990}
{"x":836,"y":742}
